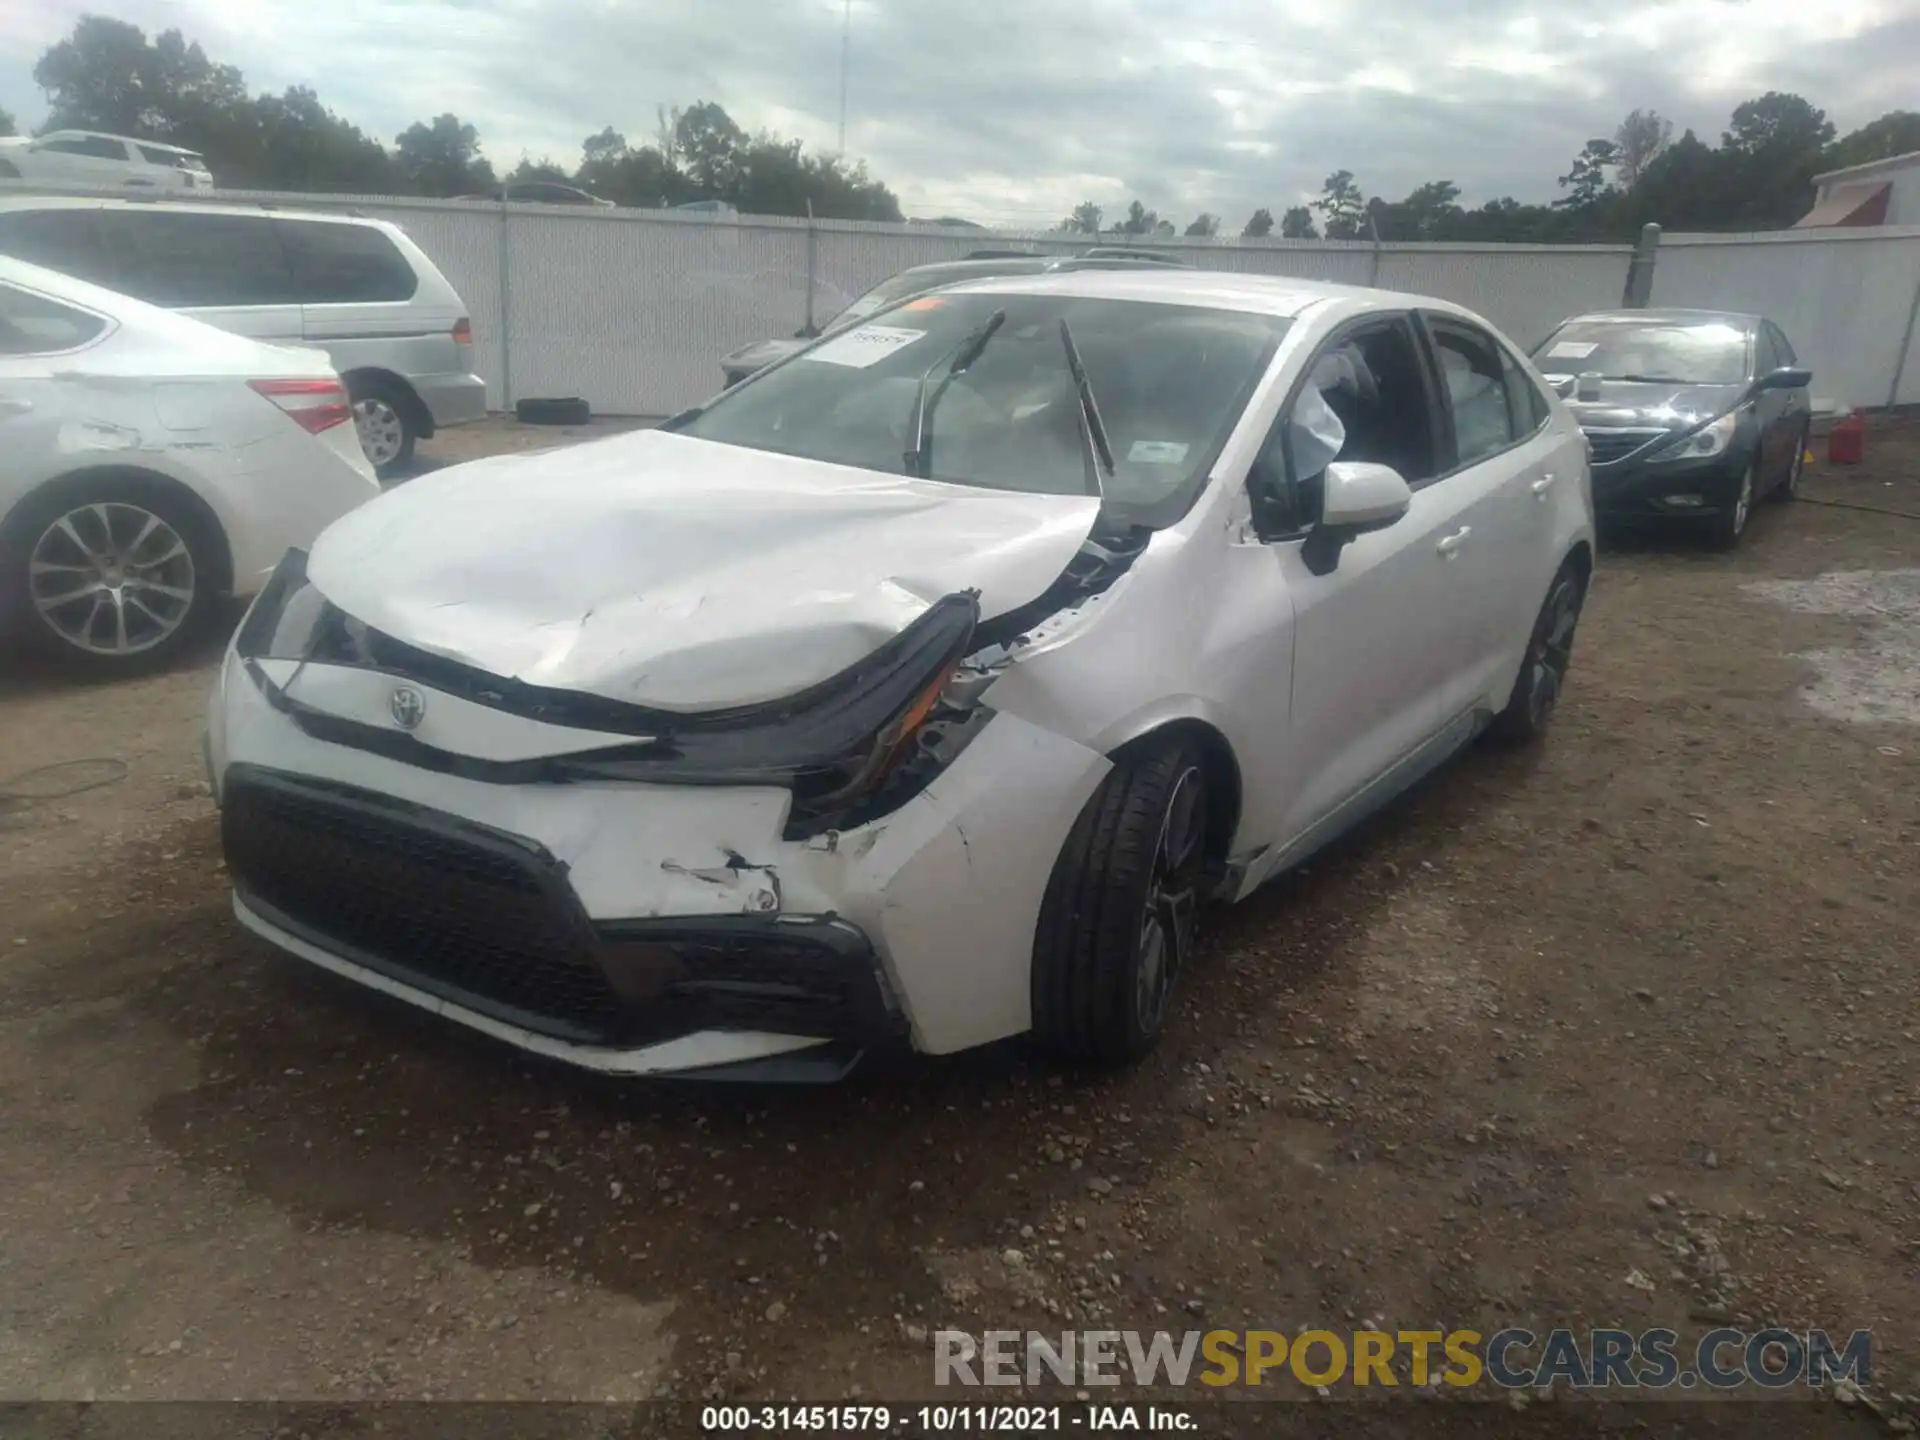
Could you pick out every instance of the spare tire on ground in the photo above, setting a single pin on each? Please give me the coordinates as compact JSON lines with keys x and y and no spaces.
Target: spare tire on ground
{"x":574,"y":411}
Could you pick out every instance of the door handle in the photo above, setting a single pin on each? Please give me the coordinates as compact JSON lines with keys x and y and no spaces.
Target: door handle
{"x":1541,"y":486}
{"x":1450,"y":544}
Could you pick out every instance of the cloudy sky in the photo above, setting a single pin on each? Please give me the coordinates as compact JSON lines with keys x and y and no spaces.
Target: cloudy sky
{"x":1013,"y":110}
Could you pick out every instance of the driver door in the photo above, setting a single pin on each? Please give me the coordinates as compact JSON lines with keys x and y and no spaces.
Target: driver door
{"x":1375,"y":634}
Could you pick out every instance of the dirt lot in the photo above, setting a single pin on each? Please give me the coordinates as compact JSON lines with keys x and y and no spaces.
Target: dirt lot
{"x":1621,"y":1032}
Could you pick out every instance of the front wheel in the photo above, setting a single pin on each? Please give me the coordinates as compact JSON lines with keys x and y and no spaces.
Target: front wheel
{"x":1117,"y":924}
{"x":1543,"y":673}
{"x":1731,"y":523}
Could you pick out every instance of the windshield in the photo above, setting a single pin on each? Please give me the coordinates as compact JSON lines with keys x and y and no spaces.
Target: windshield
{"x":1168,"y":382}
{"x":1703,"y":353}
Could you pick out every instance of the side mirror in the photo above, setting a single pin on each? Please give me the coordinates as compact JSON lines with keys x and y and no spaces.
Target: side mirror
{"x":1360,"y":497}
{"x":1787,"y":377}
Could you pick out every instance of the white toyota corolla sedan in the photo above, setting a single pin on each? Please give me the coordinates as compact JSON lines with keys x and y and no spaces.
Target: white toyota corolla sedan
{"x":915,"y":692}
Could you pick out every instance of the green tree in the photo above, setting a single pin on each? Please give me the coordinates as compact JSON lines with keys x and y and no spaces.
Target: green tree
{"x":1204,"y":226}
{"x":1139,"y":221}
{"x":1773,"y":149}
{"x":442,"y":157}
{"x":1639,"y":140}
{"x":708,"y":144}
{"x":1342,"y":207}
{"x":1297,"y":224}
{"x":1895,"y":133}
{"x":1586,"y":183}
{"x":6,"y":121}
{"x":107,"y":76}
{"x":1085,"y":218}
{"x":1259,"y":226}
{"x":531,"y":169}
{"x":293,"y":142}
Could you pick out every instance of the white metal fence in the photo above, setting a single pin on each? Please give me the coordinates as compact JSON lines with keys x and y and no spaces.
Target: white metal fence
{"x":631,"y":309}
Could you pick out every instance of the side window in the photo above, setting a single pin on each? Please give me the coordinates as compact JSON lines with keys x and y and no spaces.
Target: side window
{"x":1765,"y":357}
{"x":34,"y":325}
{"x":99,"y":147}
{"x":1364,"y":398}
{"x":1528,"y":407}
{"x":62,"y":239}
{"x":1474,"y":390}
{"x":345,"y":264}
{"x":181,"y":259}
{"x":1780,"y":345}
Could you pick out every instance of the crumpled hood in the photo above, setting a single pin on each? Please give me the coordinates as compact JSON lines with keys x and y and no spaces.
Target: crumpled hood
{"x":1628,"y":403}
{"x":661,"y":570}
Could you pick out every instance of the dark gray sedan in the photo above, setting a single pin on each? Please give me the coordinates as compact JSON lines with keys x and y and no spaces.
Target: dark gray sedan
{"x":1691,"y":415}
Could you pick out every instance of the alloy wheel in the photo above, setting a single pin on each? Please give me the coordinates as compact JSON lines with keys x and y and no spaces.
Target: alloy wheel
{"x":383,"y":434}
{"x":1743,"y":503}
{"x":1552,"y":651}
{"x":111,"y":578}
{"x":1173,"y":897}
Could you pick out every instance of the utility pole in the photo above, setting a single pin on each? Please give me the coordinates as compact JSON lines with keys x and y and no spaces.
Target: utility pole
{"x":846,"y":47}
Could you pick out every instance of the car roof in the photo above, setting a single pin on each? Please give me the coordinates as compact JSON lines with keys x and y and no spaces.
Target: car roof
{"x":89,"y":202}
{"x":109,"y":135}
{"x":1214,"y":289}
{"x":1664,"y":317}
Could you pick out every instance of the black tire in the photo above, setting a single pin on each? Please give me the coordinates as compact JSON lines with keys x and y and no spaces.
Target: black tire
{"x":1117,"y":924}
{"x":387,"y":417}
{"x":164,"y":604}
{"x":1730,"y":524}
{"x":1543,"y":673}
{"x":1789,"y":486}
{"x":572,"y":411}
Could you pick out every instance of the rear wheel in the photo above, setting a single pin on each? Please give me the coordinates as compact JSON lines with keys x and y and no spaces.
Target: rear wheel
{"x":1117,"y":925}
{"x":384,"y":418}
{"x":116,"y":575}
{"x":1543,"y":673}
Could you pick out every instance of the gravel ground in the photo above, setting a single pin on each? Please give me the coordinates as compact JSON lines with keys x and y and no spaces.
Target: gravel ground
{"x":1618,"y":1032}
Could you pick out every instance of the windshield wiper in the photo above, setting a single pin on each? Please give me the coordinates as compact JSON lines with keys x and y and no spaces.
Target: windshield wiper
{"x":1089,"y":411}
{"x":1649,"y":379}
{"x":918,"y":459}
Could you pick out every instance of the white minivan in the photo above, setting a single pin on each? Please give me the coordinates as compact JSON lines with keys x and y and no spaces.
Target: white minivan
{"x":358,"y":288}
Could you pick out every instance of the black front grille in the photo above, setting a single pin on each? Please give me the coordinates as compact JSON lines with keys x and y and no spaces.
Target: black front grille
{"x":464,"y":912}
{"x":1609,"y":445}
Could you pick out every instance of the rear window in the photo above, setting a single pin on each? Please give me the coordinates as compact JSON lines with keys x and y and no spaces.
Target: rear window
{"x":180,"y":259}
{"x":99,"y":147}
{"x":346,"y":264}
{"x":34,"y":325}
{"x":62,"y":240}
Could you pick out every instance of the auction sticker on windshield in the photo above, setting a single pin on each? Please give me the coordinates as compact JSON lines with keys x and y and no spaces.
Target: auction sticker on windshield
{"x":1157,"y":452}
{"x":1572,"y":350}
{"x":868,"y":345}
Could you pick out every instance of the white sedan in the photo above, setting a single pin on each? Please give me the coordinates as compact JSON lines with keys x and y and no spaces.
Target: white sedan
{"x":151,"y":466}
{"x":918,"y":690}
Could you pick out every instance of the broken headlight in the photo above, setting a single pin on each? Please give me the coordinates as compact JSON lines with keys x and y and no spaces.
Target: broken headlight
{"x":848,"y":748}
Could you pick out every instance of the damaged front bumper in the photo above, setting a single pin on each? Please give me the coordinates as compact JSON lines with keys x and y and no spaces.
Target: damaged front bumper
{"x":639,"y":928}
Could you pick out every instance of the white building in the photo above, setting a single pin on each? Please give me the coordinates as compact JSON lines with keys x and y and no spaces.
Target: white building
{"x":1880,"y":192}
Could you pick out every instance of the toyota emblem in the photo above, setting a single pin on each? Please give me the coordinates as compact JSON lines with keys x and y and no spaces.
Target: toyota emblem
{"x":407,"y":706}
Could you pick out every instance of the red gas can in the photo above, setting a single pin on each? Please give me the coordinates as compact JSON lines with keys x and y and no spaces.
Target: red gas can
{"x":1847,"y":441}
